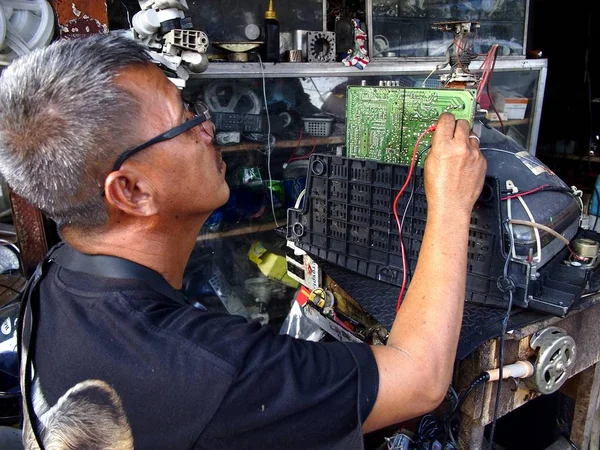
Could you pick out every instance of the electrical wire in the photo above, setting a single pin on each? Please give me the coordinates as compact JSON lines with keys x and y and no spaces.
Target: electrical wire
{"x":483,"y":377}
{"x":429,"y":76}
{"x":504,"y":330}
{"x":297,"y":145}
{"x":523,"y":194}
{"x":128,"y":16}
{"x":554,"y":233}
{"x":301,"y":157}
{"x":487,"y":67}
{"x":490,"y":95}
{"x":408,"y":178}
{"x":299,"y":199}
{"x":551,"y":231}
{"x":412,"y":195}
{"x":264,"y":85}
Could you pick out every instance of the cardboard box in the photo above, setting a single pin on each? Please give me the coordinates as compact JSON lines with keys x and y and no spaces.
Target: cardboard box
{"x":492,"y":117}
{"x":510,"y":102}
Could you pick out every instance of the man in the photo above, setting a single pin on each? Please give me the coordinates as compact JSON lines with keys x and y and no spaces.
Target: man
{"x":176,"y":376}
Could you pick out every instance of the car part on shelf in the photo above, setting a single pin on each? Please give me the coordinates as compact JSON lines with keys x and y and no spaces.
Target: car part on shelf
{"x":238,"y":51}
{"x":321,"y":46}
{"x":232,"y":97}
{"x":294,"y":55}
{"x":300,"y":42}
{"x":248,"y":123}
{"x":158,"y":27}
{"x":24,"y":26}
{"x":556,"y":355}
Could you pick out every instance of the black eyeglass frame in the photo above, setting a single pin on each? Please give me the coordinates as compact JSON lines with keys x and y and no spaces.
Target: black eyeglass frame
{"x":198,"y":119}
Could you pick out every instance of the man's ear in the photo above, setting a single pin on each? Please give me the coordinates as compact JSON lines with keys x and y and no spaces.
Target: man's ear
{"x":131,"y":192}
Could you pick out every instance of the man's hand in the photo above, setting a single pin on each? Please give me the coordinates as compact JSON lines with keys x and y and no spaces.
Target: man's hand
{"x":415,"y":367}
{"x":454,"y":168}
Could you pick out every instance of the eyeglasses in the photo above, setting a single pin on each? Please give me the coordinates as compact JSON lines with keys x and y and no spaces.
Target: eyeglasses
{"x":201,"y":115}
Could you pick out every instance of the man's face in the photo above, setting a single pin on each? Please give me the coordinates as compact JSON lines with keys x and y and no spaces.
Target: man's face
{"x":187,"y":172}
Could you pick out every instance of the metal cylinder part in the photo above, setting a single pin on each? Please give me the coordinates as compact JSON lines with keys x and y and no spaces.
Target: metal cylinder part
{"x":586,"y":248}
{"x":300,"y":42}
{"x":238,"y":57}
{"x":294,"y":56}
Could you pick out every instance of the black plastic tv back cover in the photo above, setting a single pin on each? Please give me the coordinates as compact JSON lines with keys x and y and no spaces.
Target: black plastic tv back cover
{"x":347,"y":219}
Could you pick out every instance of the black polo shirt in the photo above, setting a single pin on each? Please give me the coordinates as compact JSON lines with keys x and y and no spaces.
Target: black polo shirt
{"x":188,"y":378}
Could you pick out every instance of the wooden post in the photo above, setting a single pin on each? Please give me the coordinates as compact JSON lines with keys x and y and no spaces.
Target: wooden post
{"x":31,"y":234}
{"x":586,"y":405}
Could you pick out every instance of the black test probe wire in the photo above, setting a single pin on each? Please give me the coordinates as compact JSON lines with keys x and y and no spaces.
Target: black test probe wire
{"x":408,"y":178}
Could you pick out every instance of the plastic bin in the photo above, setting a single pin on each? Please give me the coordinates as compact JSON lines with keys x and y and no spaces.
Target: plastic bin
{"x":318,"y":126}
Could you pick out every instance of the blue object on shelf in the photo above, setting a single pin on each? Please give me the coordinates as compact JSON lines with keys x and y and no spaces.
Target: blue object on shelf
{"x":595,"y":198}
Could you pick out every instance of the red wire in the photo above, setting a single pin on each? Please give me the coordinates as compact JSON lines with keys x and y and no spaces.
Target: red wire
{"x":487,"y":67}
{"x":297,"y":158}
{"x":297,"y":146}
{"x":410,"y":172}
{"x":522,"y":194}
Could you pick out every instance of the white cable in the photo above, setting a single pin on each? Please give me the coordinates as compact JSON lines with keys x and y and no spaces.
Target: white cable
{"x":299,"y":200}
{"x":264,"y":84}
{"x":128,"y":17}
{"x":578,"y":194}
{"x":428,"y":76}
{"x":509,"y":213}
{"x":538,"y":240}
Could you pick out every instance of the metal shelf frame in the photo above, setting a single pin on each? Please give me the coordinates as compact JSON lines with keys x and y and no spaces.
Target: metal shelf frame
{"x":400,"y":66}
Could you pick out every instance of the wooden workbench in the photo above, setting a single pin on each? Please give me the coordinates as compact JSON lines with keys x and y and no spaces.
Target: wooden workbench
{"x":583,"y":325}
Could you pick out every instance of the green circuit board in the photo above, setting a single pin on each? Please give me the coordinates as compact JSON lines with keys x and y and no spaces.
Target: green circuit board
{"x":384,"y":123}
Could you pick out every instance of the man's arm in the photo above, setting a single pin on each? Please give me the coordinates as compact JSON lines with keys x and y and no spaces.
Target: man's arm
{"x":415,"y":367}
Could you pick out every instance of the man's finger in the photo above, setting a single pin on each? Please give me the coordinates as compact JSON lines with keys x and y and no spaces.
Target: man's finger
{"x":462,"y":130}
{"x":445,"y":128}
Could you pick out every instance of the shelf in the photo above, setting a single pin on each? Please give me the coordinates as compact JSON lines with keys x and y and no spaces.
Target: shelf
{"x":306,"y":142}
{"x":331,"y":140}
{"x":509,"y":123}
{"x":389,"y":67}
{"x":237,"y":231}
{"x":428,"y":20}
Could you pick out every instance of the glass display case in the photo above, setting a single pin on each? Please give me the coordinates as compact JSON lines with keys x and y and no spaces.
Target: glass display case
{"x":239,"y":249}
{"x":403,"y":28}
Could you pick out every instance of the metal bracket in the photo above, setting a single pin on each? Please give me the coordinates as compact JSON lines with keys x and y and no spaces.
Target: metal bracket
{"x":321,"y":46}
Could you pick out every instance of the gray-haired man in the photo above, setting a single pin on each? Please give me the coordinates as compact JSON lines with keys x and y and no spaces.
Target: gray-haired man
{"x":100,"y":140}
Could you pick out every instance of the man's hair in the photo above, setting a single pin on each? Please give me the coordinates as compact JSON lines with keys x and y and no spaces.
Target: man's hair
{"x":63,"y":123}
